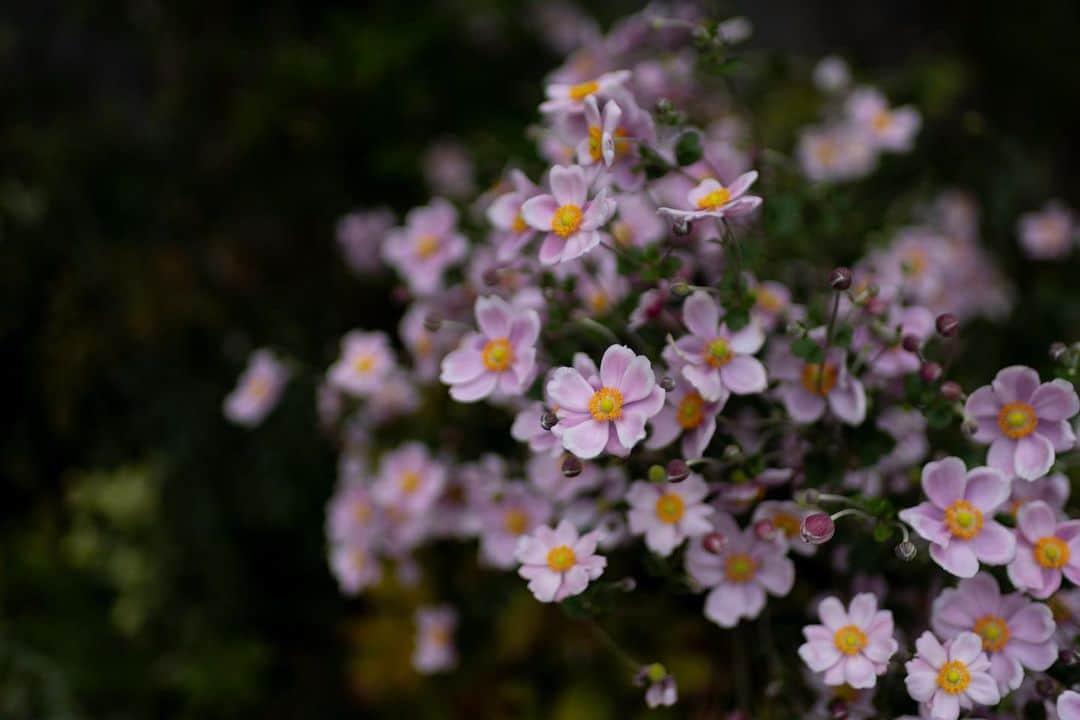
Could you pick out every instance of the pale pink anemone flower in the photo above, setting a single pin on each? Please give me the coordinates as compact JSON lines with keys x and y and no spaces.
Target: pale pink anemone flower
{"x":958,"y":518}
{"x":500,"y":359}
{"x":366,"y":360}
{"x":359,"y":236}
{"x":512,"y":232}
{"x":434,"y":651}
{"x":557,"y":562}
{"x":740,"y":574}
{"x":808,"y":388}
{"x":409,"y":480}
{"x":1045,"y":550}
{"x":570,"y":97}
{"x":355,"y":566}
{"x":636,"y":224}
{"x":427,"y":245}
{"x":719,"y":360}
{"x":1016,"y":632}
{"x":1068,"y":705}
{"x":1024,"y":421}
{"x":888,"y":129}
{"x":569,"y":218}
{"x":688,"y":414}
{"x":951,"y":676}
{"x":516,"y":510}
{"x":258,"y":389}
{"x":669,"y":513}
{"x":784,"y":517}
{"x":607,"y":411}
{"x":711,"y":199}
{"x":1049,"y":233}
{"x":889,"y":359}
{"x":851,"y":646}
{"x":837,"y":153}
{"x":598,"y":145}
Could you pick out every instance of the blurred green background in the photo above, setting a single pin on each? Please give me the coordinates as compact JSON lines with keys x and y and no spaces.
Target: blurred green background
{"x":170,"y":177}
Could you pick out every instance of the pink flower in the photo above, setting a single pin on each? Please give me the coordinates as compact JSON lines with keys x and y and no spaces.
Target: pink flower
{"x":500,"y":359}
{"x":570,"y":98}
{"x":1015,"y":632}
{"x":448,"y":169}
{"x":515,"y":511}
{"x":718,"y":360}
{"x":557,"y":562}
{"x":959,"y":520}
{"x":1068,"y":705}
{"x":360,"y":234}
{"x":785,"y":517}
{"x":851,"y":647}
{"x":950,"y":677}
{"x":1024,"y":421}
{"x":352,"y":515}
{"x":513,"y":233}
{"x":1048,"y":234}
{"x":570,"y":219}
{"x":606,"y":411}
{"x":527,"y":429}
{"x":409,"y":480}
{"x":688,"y":414}
{"x":666,"y":514}
{"x":636,"y":224}
{"x":835,"y":153}
{"x":612,"y":138}
{"x":258,"y":389}
{"x":434,"y":651}
{"x":887,"y":129}
{"x":740,"y":574}
{"x":662,"y":691}
{"x":599,"y":142}
{"x":711,"y":199}
{"x":366,"y":360}
{"x":890,"y":359}
{"x":1045,"y":549}
{"x":806,"y":388}
{"x":354,"y":566}
{"x":426,"y":246}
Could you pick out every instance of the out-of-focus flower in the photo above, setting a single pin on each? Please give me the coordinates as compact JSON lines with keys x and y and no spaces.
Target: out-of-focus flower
{"x":888,"y":129}
{"x":666,"y":514}
{"x":835,"y":154}
{"x":1045,"y":549}
{"x":688,"y":414}
{"x":951,"y":676}
{"x":1068,"y":705}
{"x":569,"y":218}
{"x":558,"y":563}
{"x":851,"y":646}
{"x":366,"y":360}
{"x":354,"y":566}
{"x":832,"y":74}
{"x":409,"y":479}
{"x":570,"y":97}
{"x":1016,"y":632}
{"x":360,"y":235}
{"x":500,"y":359}
{"x":786,"y":519}
{"x":662,"y":691}
{"x":958,"y":518}
{"x":1024,"y":421}
{"x":515,"y":511}
{"x":608,"y":411}
{"x":513,"y":233}
{"x":427,"y":245}
{"x":448,"y":169}
{"x":434,"y":650}
{"x":258,"y":389}
{"x":807,"y":388}
{"x":1048,"y":234}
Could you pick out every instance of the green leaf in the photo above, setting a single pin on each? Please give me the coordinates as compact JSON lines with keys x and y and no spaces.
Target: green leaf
{"x":688,"y":148}
{"x":808,"y":350}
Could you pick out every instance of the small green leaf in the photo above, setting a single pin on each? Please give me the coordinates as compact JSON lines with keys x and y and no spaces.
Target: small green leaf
{"x":688,"y":148}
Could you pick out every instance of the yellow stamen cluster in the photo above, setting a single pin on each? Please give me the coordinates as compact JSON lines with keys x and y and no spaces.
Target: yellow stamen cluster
{"x":716,"y":198}
{"x":691,"y":411}
{"x":994,"y":632}
{"x":606,"y":404}
{"x":516,"y":521}
{"x":963,"y":519}
{"x":850,"y":639}
{"x":670,"y":508}
{"x":566,"y":221}
{"x":497,"y":354}
{"x":363,"y":363}
{"x":409,"y":482}
{"x":561,"y":558}
{"x":1051,"y":552}
{"x":426,"y":246}
{"x":953,"y":677}
{"x":740,"y":567}
{"x":1017,"y":420}
{"x":718,"y":352}
{"x":818,"y":378}
{"x":583,"y":90}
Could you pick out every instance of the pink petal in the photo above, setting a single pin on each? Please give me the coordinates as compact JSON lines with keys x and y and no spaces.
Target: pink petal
{"x":614,"y":364}
{"x":474,"y":390}
{"x":983,"y":403}
{"x":742,"y":183}
{"x":802,"y":406}
{"x":701,"y":315}
{"x":859,"y":672}
{"x":995,"y":544}
{"x":539,"y":211}
{"x":493,"y":316}
{"x":568,"y":185}
{"x":1055,"y":400}
{"x":983,"y":689}
{"x":551,"y":250}
{"x":832,"y":613}
{"x":586,"y":440}
{"x":957,"y":558}
{"x":944,"y":481}
{"x":849,"y":402}
{"x":1036,"y":519}
{"x":637,"y":380}
{"x":1015,"y":384}
{"x":1034,"y":456}
{"x":987,"y":489}
{"x":706,"y":380}
{"x":569,"y":391}
{"x":744,"y":375}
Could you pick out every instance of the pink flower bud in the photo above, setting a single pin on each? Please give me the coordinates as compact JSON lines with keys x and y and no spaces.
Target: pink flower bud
{"x":817,"y":528}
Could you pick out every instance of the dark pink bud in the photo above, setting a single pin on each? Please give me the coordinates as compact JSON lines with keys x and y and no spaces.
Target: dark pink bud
{"x":930,"y":371}
{"x":765,"y":529}
{"x":840,"y":278}
{"x":910,"y":343}
{"x":817,"y":528}
{"x":947,"y":324}
{"x":714,"y":542}
{"x":951,"y":391}
{"x":677,"y":470}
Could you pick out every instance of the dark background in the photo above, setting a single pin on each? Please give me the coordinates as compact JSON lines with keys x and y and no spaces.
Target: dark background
{"x":170,"y":176}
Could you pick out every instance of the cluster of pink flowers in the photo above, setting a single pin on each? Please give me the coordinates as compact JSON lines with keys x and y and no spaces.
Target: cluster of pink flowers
{"x":662,"y":397}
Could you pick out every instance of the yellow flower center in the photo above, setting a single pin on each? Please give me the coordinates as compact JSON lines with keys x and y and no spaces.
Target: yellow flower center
{"x":561,"y":558}
{"x":740,"y":567}
{"x":914,"y":262}
{"x":497,"y":354}
{"x":566,"y":220}
{"x":994,"y":632}
{"x":691,"y":411}
{"x":670,"y":508}
{"x":519,"y":225}
{"x":409,"y":482}
{"x":426,"y":245}
{"x":953,"y":677}
{"x":606,"y":404}
{"x":819,"y":378}
{"x":599,"y":302}
{"x":963,"y":519}
{"x":826,"y":152}
{"x":1017,"y":420}
{"x":882,"y":120}
{"x":1051,"y":552}
{"x":623,"y":233}
{"x":362,"y":511}
{"x":596,"y":143}
{"x":363,"y":363}
{"x":787,"y":524}
{"x":516,"y":521}
{"x":714,"y":199}
{"x":583,"y":90}
{"x":768,"y":301}
{"x":718,"y":353}
{"x":850,"y":639}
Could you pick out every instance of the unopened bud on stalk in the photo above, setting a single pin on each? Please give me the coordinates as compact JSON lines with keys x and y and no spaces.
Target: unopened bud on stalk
{"x":795,"y":329}
{"x":680,"y":289}
{"x":1069,"y":657}
{"x":491,"y":276}
{"x":951,"y":391}
{"x":1058,"y":350}
{"x":571,"y":466}
{"x":765,"y":529}
{"x":667,"y":383}
{"x":677,"y":470}
{"x":838,"y":709}
{"x":714,"y":542}
{"x":548,"y":420}
{"x":817,"y":528}
{"x":910,"y":343}
{"x":432,"y":322}
{"x":809,"y":496}
{"x":657,"y":474}
{"x":732,"y":452}
{"x":840,"y":278}
{"x":947,"y":324}
{"x":930,"y":371}
{"x":906,"y":550}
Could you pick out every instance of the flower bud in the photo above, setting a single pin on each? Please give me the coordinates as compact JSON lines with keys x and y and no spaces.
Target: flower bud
{"x":969,"y":427}
{"x":1046,"y":687}
{"x":680,"y":288}
{"x":952,"y":391}
{"x":657,"y":474}
{"x":732,"y":452}
{"x":765,"y":529}
{"x":876,"y":305}
{"x":627,"y":584}
{"x":572,"y":466}
{"x":714,"y":542}
{"x":947,"y":324}
{"x":910,"y":343}
{"x":432,"y":322}
{"x":817,"y":528}
{"x":795,"y":329}
{"x":840,"y":278}
{"x":1069,"y":657}
{"x":1057,"y":351}
{"x":906,"y":550}
{"x":548,"y":420}
{"x":667,"y":383}
{"x":930,"y":371}
{"x":677,"y":470}
{"x":809,"y":496}
{"x":491,"y":276}
{"x":838,"y":709}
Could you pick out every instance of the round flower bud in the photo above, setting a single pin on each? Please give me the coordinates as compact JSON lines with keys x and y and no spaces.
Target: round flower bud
{"x":930,"y":371}
{"x":571,"y":466}
{"x":732,"y":452}
{"x":657,"y":474}
{"x":947,"y":324}
{"x":838,"y":709}
{"x":667,"y":383}
{"x":432,"y":322}
{"x":910,"y":343}
{"x":969,"y":427}
{"x":952,"y":391}
{"x":840,"y":278}
{"x":765,"y":529}
{"x":548,"y":420}
{"x":680,"y":289}
{"x":817,"y":528}
{"x":809,"y":496}
{"x":714,"y":542}
{"x":491,"y":276}
{"x":677,"y":470}
{"x":1058,"y":350}
{"x":795,"y":329}
{"x":906,"y":550}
